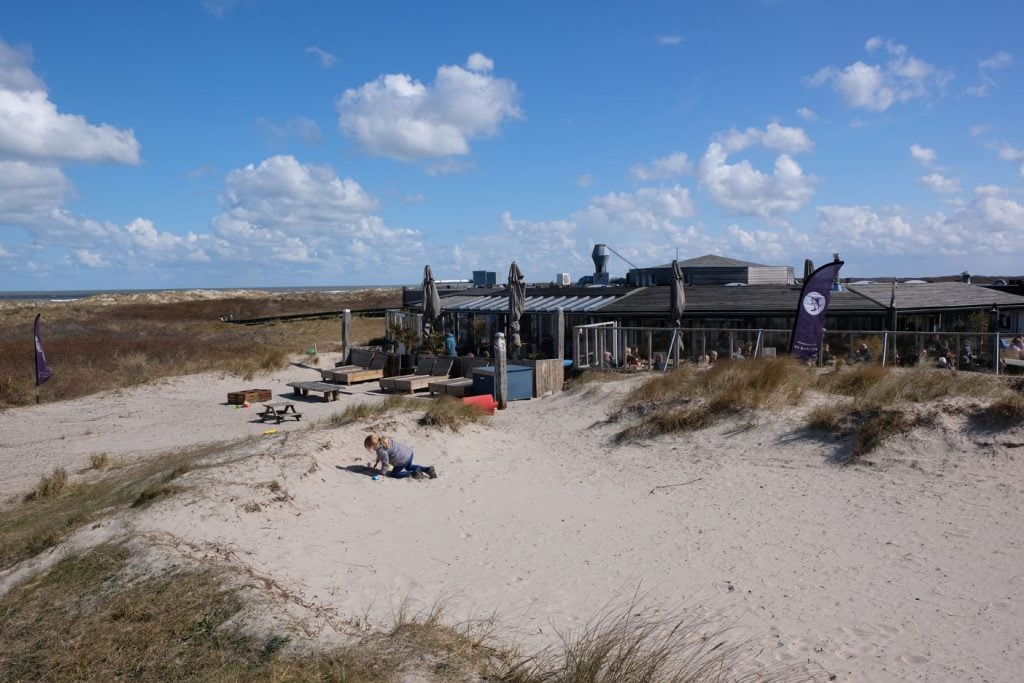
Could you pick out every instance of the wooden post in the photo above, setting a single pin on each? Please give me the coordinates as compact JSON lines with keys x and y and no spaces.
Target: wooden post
{"x":560,"y":334}
{"x":346,"y":334}
{"x":500,"y":372}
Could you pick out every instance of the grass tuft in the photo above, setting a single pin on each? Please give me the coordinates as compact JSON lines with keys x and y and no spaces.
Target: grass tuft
{"x":361,"y":412}
{"x":50,"y":485}
{"x":99,"y":461}
{"x":825,"y":418}
{"x":875,"y":426}
{"x":450,"y":413}
{"x":1003,"y":413}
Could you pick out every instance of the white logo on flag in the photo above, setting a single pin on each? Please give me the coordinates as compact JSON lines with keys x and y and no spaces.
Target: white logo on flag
{"x":814,"y":303}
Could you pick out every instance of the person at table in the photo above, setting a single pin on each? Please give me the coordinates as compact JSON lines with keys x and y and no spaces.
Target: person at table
{"x":449,"y":344}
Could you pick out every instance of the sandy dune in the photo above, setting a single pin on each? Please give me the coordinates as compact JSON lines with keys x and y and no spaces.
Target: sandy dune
{"x":908,"y":569}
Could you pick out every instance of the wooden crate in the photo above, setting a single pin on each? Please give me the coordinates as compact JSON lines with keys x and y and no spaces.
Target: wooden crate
{"x":249,"y":396}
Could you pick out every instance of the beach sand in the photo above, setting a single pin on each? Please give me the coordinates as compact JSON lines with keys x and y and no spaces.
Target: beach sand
{"x":908,"y":568}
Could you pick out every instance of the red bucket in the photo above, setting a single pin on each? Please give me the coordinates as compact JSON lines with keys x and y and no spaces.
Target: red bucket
{"x":484,"y":402}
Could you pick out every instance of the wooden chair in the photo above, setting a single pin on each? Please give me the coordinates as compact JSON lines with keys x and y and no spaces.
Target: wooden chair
{"x":375,"y":370}
{"x":412,"y":383}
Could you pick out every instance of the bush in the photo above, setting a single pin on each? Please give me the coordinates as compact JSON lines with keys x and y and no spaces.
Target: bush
{"x":50,"y":485}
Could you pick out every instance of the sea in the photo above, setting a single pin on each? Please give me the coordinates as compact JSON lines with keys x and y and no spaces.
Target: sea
{"x":76,"y":294}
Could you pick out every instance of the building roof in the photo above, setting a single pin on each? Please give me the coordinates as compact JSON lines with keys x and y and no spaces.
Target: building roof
{"x":926,"y":296}
{"x":713,"y":261}
{"x":765,"y":300}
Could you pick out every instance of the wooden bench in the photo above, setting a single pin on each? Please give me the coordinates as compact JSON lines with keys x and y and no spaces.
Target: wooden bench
{"x":412,"y":383}
{"x":330,"y":391}
{"x":278,"y":412}
{"x":374,"y":370}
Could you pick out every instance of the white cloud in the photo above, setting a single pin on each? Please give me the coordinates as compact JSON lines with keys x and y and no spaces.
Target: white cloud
{"x":1010,"y":153}
{"x":741,"y":188}
{"x":670,"y":166}
{"x":923,"y":155}
{"x":774,"y":137}
{"x":980,"y":129}
{"x":861,"y":229}
{"x":29,"y":191}
{"x":479,"y":62}
{"x":936,"y":182}
{"x":218,"y":8}
{"x":303,"y":213}
{"x":585,"y":180}
{"x":663,"y":39}
{"x":415,"y":198}
{"x":807,"y":114}
{"x":327,"y":60}
{"x":306,"y":130}
{"x":877,"y":87}
{"x":999,"y":60}
{"x":31,"y":128}
{"x":398,"y":117}
{"x":449,"y":166}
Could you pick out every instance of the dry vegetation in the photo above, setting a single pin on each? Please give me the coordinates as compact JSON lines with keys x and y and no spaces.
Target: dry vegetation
{"x":450,"y":413}
{"x":93,"y":347}
{"x":94,"y":617}
{"x":872,"y":412}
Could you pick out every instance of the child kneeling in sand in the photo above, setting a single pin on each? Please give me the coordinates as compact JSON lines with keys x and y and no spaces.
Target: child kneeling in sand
{"x":398,"y":455}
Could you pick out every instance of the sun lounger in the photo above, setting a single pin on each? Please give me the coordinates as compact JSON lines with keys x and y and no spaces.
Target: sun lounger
{"x":458,"y":386}
{"x":441,"y":367}
{"x":375,"y":370}
{"x":424,"y":367}
{"x":358,"y":359}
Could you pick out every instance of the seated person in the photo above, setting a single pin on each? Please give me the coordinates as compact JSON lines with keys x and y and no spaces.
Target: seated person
{"x":863,"y":354}
{"x":738,"y":354}
{"x":712,"y":357}
{"x":966,"y":356}
{"x":826,"y":354}
{"x":632,"y":361}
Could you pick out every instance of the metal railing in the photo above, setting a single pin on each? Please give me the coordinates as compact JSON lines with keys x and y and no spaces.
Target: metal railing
{"x":608,"y":345}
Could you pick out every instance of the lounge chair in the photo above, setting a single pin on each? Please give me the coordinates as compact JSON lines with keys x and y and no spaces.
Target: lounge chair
{"x":458,"y":386}
{"x":375,"y":370}
{"x":442,"y":367}
{"x":358,"y":359}
{"x":424,"y":368}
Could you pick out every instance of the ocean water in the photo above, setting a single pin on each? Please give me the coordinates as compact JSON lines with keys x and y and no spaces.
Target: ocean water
{"x":75,"y":294}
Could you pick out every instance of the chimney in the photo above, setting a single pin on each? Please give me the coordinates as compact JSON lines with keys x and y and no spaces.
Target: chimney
{"x":966,"y":276}
{"x":601,"y":255}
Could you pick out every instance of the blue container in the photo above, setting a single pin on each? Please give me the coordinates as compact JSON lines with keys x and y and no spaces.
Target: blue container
{"x":520,"y":382}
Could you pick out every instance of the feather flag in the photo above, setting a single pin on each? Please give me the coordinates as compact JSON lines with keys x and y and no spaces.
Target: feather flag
{"x":43,"y":371}
{"x":809,"y":325}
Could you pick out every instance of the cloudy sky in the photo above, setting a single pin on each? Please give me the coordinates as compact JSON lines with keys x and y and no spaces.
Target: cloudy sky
{"x":221,"y":143}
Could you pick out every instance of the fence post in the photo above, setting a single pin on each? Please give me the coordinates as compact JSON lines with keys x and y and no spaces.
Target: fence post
{"x":346,"y":334}
{"x":500,"y":371}
{"x":560,"y":334}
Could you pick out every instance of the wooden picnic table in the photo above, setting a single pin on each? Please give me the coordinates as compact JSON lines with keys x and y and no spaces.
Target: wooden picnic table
{"x":278,"y":412}
{"x":330,"y":391}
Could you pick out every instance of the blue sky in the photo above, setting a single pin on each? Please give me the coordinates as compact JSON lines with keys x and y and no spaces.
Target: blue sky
{"x":222,"y":143}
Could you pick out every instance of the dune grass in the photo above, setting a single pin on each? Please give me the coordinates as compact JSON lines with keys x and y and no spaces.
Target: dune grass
{"x":93,"y":616}
{"x":447,"y":412}
{"x":94,"y":347}
{"x":49,"y":485}
{"x":361,"y":412}
{"x":42,"y":521}
{"x":690,"y":398}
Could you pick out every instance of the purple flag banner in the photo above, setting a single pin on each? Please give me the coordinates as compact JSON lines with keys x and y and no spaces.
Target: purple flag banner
{"x":810,"y":312}
{"x":43,"y":371}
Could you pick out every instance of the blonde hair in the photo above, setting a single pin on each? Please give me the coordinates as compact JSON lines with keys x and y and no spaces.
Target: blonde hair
{"x":375,"y":441}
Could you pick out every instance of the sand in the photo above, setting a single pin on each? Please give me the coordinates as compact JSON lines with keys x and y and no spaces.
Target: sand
{"x":909,"y":568}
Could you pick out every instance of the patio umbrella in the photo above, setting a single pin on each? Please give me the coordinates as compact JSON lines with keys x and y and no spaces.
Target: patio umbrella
{"x":516,"y":306}
{"x":677,"y":297}
{"x":808,"y":268}
{"x":431,"y":300}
